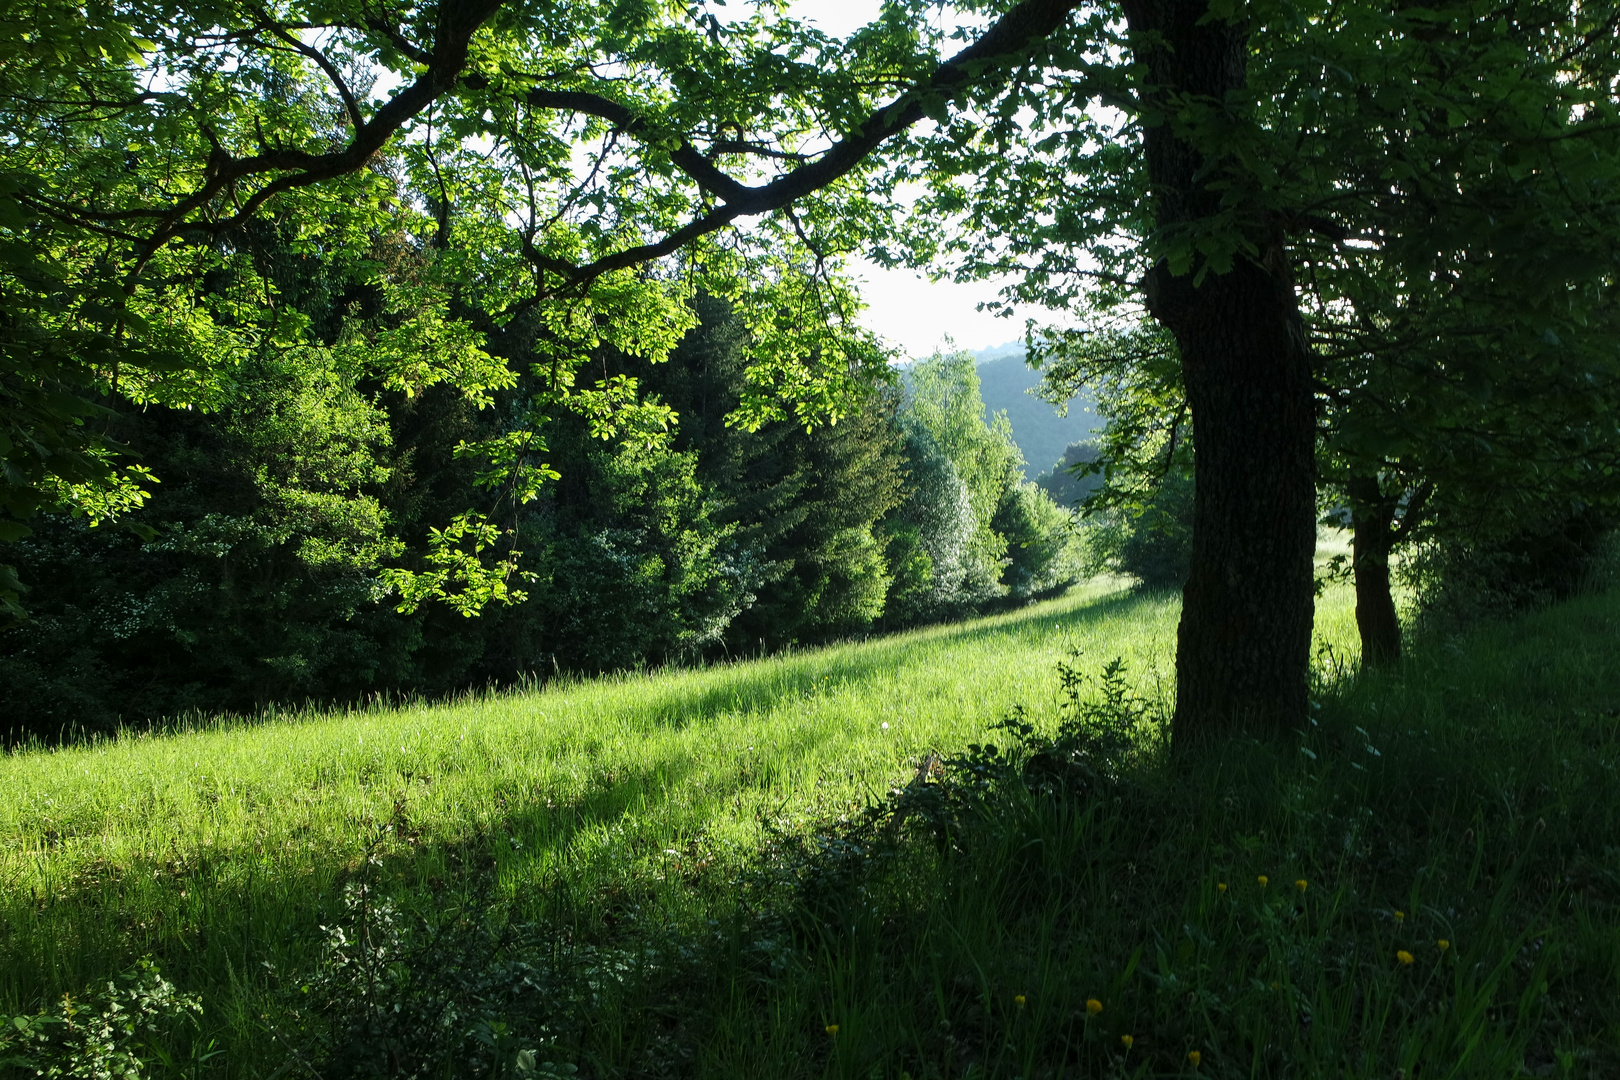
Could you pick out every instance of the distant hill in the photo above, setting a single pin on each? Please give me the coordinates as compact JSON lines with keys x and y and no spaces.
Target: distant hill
{"x":1038,"y":430}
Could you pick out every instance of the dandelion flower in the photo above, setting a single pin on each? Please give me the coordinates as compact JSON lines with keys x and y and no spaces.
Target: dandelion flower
{"x":1400,"y":916}
{"x":1128,"y":1041}
{"x":1263,"y":880}
{"x":1444,"y":944}
{"x":1300,"y":884}
{"x":1195,"y":1057}
{"x":1018,"y":1000}
{"x":1220,"y":886}
{"x":1093,"y":1006}
{"x":832,"y":1029}
{"x":1403,"y":956}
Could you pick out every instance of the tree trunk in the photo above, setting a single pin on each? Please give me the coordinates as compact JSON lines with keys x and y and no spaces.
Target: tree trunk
{"x":1372,"y":517}
{"x":1243,"y":647}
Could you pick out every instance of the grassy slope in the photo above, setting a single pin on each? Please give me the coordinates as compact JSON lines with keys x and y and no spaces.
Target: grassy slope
{"x":212,"y":848}
{"x":1491,"y":813}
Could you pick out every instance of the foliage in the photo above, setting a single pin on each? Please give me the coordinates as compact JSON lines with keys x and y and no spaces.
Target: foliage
{"x":998,"y":533}
{"x":1152,"y":543}
{"x":103,"y":1035}
{"x":1383,"y":197}
{"x":526,"y":187}
{"x":1070,"y":482}
{"x":301,"y":528}
{"x":805,"y":503}
{"x":931,"y":536}
{"x":419,"y":993}
{"x":524,"y":191}
{"x":1457,"y":578}
{"x":633,"y":563}
{"x":1138,"y":475}
{"x":259,"y":580}
{"x":1042,"y":552}
{"x":1008,"y":384}
{"x":943,"y":399}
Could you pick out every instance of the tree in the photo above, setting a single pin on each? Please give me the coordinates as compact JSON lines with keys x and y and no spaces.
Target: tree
{"x":1043,"y":555}
{"x":1137,"y":477}
{"x":942,"y":397}
{"x":931,"y":539}
{"x":1238,"y":130}
{"x":1266,"y":141}
{"x":257,"y":583}
{"x":1019,"y":541}
{"x":806,"y":504}
{"x":1071,"y":482}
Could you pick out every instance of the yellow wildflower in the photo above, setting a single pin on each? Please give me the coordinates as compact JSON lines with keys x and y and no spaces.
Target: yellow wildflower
{"x":1128,"y":1041}
{"x":1195,"y":1057}
{"x":1403,"y":956}
{"x":1018,"y":1000}
{"x":832,"y":1029}
{"x":1093,"y":1006}
{"x":1400,"y":916}
{"x":1220,"y":886}
{"x":1444,"y":944}
{"x":1300,"y":884}
{"x":1263,"y":880}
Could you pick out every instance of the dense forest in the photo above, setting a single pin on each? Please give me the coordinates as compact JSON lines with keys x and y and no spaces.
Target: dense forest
{"x":260,"y":574}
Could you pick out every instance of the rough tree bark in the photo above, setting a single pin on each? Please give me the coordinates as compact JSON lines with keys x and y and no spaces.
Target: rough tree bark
{"x":1372,"y":519}
{"x":1243,"y":646}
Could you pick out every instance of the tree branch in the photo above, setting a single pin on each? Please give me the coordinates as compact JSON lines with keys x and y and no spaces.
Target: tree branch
{"x":350,"y":106}
{"x":1025,"y":25}
{"x":458,"y":21}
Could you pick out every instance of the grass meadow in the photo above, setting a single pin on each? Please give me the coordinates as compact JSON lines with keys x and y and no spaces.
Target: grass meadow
{"x":709,"y":872}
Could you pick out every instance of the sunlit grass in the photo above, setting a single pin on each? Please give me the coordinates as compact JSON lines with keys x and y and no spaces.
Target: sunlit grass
{"x":216,"y":849}
{"x":1473,"y":791}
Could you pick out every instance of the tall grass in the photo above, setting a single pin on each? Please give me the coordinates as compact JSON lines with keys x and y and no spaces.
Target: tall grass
{"x":1424,"y":884}
{"x":220,"y":849}
{"x":700,"y":873}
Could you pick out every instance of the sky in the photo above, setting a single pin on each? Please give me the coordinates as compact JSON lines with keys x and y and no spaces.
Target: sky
{"x":919,"y":315}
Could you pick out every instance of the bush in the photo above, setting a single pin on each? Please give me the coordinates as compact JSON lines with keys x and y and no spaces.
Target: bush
{"x":1043,"y":549}
{"x":99,"y":1036}
{"x":439,"y":990}
{"x":1153,"y":542}
{"x":1465,"y":575}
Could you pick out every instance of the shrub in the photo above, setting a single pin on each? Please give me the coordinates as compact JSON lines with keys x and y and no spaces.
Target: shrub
{"x":1152,"y":542}
{"x":446,"y":989}
{"x":1464,"y":575}
{"x":100,"y":1035}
